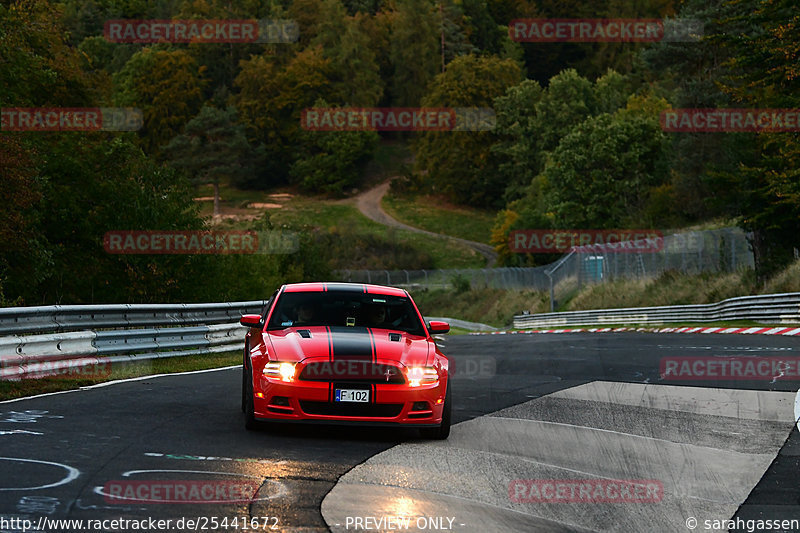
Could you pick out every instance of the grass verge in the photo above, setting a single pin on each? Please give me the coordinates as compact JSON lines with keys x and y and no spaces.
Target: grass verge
{"x":168,"y":365}
{"x":497,"y":307}
{"x":436,"y":215}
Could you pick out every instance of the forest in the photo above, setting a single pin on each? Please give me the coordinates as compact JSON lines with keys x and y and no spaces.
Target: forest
{"x":579,"y":140}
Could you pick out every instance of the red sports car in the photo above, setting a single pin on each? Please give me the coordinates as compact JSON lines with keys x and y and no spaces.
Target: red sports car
{"x":345,"y":353}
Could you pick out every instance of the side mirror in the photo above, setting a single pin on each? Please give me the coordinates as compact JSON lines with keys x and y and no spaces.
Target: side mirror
{"x":251,"y":321}
{"x":437,"y":326}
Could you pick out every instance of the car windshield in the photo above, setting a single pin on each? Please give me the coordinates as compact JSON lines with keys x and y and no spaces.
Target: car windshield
{"x":342,"y":308}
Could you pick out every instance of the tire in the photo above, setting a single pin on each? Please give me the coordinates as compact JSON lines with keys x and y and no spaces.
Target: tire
{"x":442,"y":431}
{"x":244,"y":379}
{"x":250,"y":422}
{"x":244,"y":388}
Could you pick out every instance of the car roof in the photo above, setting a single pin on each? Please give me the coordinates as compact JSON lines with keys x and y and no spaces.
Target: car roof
{"x":362,"y":288}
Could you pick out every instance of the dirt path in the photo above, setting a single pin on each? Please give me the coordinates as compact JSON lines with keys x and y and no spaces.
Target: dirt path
{"x":369,"y":203}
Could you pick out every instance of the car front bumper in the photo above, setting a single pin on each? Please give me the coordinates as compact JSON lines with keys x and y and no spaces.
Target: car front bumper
{"x":313,"y":401}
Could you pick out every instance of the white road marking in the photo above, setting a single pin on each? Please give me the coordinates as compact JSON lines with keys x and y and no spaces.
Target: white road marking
{"x":107,"y":383}
{"x":72,"y":473}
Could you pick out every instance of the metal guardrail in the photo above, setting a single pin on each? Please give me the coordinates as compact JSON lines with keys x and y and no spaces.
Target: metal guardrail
{"x":59,"y":318}
{"x":775,"y":308}
{"x":26,"y":355}
{"x":65,"y":337}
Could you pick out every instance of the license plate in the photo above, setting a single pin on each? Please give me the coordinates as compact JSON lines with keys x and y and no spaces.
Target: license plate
{"x":352,"y":395}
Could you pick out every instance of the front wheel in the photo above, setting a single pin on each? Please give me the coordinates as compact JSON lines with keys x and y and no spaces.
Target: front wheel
{"x":249,"y":407}
{"x":442,"y":431}
{"x":244,"y":388}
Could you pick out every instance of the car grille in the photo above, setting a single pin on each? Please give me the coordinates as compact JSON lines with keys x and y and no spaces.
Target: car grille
{"x":352,"y":371}
{"x":377,"y":410}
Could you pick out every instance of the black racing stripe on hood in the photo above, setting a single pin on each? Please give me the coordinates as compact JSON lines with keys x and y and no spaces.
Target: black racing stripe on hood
{"x":351,"y":342}
{"x":330,"y":343}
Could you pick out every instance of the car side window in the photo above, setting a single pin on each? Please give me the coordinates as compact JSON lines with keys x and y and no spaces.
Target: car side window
{"x":267,"y":306}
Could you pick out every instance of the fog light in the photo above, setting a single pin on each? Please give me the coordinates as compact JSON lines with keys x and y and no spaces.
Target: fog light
{"x":420,"y":406}
{"x":280,"y":400}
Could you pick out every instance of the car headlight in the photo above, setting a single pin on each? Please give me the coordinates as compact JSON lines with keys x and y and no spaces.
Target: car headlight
{"x":421,"y":375}
{"x":282,"y":371}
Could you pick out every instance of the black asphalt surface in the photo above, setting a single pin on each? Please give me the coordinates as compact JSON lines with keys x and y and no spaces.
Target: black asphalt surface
{"x":58,"y":453}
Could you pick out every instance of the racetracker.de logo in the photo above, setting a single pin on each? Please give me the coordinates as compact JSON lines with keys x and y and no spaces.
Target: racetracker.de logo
{"x":730,"y":120}
{"x":541,"y":241}
{"x":472,"y":366}
{"x":398,"y":119}
{"x":167,"y":491}
{"x":585,"y":491}
{"x":81,"y":368}
{"x":200,"y":242}
{"x":201,"y":31}
{"x":350,"y":369}
{"x":70,"y":119}
{"x":733,"y":368}
{"x":604,"y":30}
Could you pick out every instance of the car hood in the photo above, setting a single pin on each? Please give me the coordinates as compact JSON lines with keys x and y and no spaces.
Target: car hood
{"x":297,"y":344}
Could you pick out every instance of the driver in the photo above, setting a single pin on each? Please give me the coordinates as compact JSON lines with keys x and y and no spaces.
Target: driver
{"x":376,"y":315}
{"x":305,"y":313}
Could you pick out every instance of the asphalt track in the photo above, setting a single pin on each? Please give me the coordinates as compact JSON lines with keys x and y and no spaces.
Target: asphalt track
{"x":58,"y":452}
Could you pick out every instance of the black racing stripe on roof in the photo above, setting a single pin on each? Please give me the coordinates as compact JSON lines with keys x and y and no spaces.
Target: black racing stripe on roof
{"x":346,"y":287}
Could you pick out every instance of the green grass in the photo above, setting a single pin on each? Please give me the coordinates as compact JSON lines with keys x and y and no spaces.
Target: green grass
{"x":305,"y":213}
{"x":167,"y":365}
{"x":302,"y":212}
{"x":671,"y":288}
{"x":433,"y":214}
{"x":495,"y":307}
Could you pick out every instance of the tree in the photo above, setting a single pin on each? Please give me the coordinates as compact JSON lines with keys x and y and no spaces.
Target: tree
{"x":415,"y":50}
{"x":763,"y":43}
{"x":167,"y":85}
{"x":517,"y":150}
{"x":354,"y":71}
{"x":690,"y":74}
{"x":24,"y":253}
{"x":331,"y":162}
{"x":213,"y":147}
{"x":271,"y":99}
{"x":601,"y":173}
{"x":37,"y":66}
{"x":458,"y":163}
{"x":568,"y":101}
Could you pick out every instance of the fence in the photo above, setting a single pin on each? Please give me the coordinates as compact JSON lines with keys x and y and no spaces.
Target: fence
{"x":501,"y":278}
{"x":768,"y":308}
{"x":721,"y":250}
